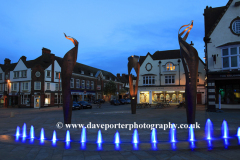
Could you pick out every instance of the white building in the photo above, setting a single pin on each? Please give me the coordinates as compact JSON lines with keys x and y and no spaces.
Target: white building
{"x":162,"y":78}
{"x":222,"y":52}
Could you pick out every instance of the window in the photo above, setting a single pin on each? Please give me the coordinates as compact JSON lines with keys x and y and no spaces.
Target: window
{"x":24,"y":74}
{"x":92,"y":85}
{"x":0,"y":76}
{"x":83,"y":84}
{"x":82,"y":72}
{"x":169,"y":79}
{"x":120,"y":87}
{"x":25,"y":99}
{"x":103,"y":77}
{"x":56,"y":86}
{"x":24,"y":85}
{"x":16,"y":74}
{"x":48,"y":74}
{"x":91,"y":74}
{"x":88,"y":84}
{"x":47,"y":98}
{"x":57,"y":75}
{"x":77,"y":83}
{"x":14,"y":87}
{"x":72,"y":83}
{"x":60,"y":86}
{"x":170,"y":67}
{"x":48,"y":86}
{"x":148,"y":80}
{"x":37,"y":85}
{"x":236,"y":26}
{"x":1,"y":87}
{"x":104,"y":85}
{"x":230,"y":58}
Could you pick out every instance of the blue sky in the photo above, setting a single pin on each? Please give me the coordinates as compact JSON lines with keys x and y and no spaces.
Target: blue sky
{"x":108,"y":31}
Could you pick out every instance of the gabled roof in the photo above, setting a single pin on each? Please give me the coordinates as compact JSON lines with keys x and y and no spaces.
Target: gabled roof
{"x":162,"y":55}
{"x":230,"y":43}
{"x":212,"y":16}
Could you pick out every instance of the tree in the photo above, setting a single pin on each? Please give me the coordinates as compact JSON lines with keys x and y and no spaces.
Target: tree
{"x":110,"y":88}
{"x":122,"y":92}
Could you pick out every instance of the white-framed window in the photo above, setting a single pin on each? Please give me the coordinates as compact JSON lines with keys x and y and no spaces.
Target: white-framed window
{"x":82,"y":72}
{"x":48,"y":74}
{"x":37,"y":85}
{"x":83,"y":84}
{"x":48,"y":86}
{"x":24,"y":85}
{"x":236,"y":26}
{"x":148,"y":80}
{"x":92,"y":85}
{"x":231,"y":58}
{"x":24,"y":74}
{"x":1,"y":87}
{"x":77,"y":83}
{"x":104,"y":77}
{"x":57,"y":75}
{"x":25,"y":99}
{"x":88,"y":85}
{"x":170,"y":67}
{"x":56,"y":86}
{"x":72,"y":83}
{"x":47,"y":98}
{"x":1,"y":76}
{"x":16,"y":74}
{"x":14,"y":86}
{"x":57,"y":98}
{"x":170,"y":79}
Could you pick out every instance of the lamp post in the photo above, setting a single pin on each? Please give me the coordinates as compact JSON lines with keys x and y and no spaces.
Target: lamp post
{"x":59,"y":89}
{"x":8,"y":81}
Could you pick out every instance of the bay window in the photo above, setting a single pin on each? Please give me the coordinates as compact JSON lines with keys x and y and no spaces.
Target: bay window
{"x":148,"y":80}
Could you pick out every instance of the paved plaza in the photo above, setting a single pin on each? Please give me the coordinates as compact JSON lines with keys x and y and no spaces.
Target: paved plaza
{"x":47,"y":118}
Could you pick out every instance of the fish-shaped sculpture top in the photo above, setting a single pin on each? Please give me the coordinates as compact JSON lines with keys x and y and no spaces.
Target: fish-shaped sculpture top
{"x":133,"y":63}
{"x":69,"y":61}
{"x":190,"y":60}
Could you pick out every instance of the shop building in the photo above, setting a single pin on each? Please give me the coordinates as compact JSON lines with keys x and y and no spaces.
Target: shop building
{"x":222,"y":52}
{"x":162,"y":78}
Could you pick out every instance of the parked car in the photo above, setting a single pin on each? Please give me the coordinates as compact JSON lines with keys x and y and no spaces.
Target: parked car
{"x":75,"y":105}
{"x":122,"y":101}
{"x":99,"y":101}
{"x":114,"y":102}
{"x":85,"y":104}
{"x":128,"y":101}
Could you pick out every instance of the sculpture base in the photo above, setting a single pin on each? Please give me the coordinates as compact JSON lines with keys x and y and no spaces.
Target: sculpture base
{"x":134,"y":105}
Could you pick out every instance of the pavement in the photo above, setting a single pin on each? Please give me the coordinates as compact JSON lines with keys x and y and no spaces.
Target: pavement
{"x":47,"y":118}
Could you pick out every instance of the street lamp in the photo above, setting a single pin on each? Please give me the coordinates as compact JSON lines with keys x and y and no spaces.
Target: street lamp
{"x":59,"y":89}
{"x":8,"y":81}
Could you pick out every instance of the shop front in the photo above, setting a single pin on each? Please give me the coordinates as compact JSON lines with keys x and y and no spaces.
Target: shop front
{"x":82,"y":95}
{"x":154,"y":95}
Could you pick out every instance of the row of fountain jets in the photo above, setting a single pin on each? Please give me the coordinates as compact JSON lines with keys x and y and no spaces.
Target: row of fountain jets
{"x":135,"y":140}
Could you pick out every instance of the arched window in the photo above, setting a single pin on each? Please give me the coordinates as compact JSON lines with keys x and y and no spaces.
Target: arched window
{"x":170,"y":67}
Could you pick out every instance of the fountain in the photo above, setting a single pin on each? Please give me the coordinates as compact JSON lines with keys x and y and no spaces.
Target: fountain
{"x":238,"y":132}
{"x":208,"y":129}
{"x":24,"y":130}
{"x":18,"y":131}
{"x":225,"y":129}
{"x":42,"y":136}
{"x":191,"y":133}
{"x":99,"y":140}
{"x":154,"y":136}
{"x":172,"y":133}
{"x":83,"y":135}
{"x":32,"y":132}
{"x":117,"y":140}
{"x":135,"y":140}
{"x":67,"y":140}
{"x":54,"y":138}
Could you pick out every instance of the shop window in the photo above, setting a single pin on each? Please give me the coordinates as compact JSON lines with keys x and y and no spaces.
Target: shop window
{"x":47,"y":98}
{"x":169,"y":79}
{"x":144,"y":97}
{"x":25,"y":99}
{"x":156,"y":97}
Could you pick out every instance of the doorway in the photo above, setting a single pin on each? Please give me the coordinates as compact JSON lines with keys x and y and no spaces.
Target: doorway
{"x":199,"y":98}
{"x":36,"y":101}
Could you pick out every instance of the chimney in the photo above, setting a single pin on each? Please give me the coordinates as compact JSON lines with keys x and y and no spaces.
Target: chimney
{"x":45,"y":50}
{"x":7,"y":61}
{"x":23,"y":58}
{"x":118,"y":75}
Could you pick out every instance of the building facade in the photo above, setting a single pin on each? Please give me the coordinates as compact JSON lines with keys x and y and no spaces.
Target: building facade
{"x":222,"y":53}
{"x":162,"y":78}
{"x":37,"y":83}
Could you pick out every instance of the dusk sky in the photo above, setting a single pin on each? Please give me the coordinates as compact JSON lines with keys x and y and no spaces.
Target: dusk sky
{"x":108,"y":31}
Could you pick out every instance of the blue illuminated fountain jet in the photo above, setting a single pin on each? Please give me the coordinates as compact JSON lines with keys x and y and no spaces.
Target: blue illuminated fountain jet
{"x":225,"y":133}
{"x":99,"y":140}
{"x":54,"y":138}
{"x":173,"y":136}
{"x":154,"y":139}
{"x":238,"y":135}
{"x":135,"y":140}
{"x":208,"y":132}
{"x":17,"y":133}
{"x":83,"y":138}
{"x":117,"y":140}
{"x":42,"y":136}
{"x":68,"y":139}
{"x":32,"y":134}
{"x":191,"y":137}
{"x":24,"y":131}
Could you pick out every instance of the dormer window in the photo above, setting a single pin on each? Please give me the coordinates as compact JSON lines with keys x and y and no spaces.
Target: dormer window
{"x":103,"y":77}
{"x":235,"y":26}
{"x":82,"y":72}
{"x":48,"y":74}
{"x":16,"y":74}
{"x":170,"y":67}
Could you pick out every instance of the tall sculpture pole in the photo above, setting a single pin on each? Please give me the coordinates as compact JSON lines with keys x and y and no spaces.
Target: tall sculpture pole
{"x":190,"y":60}
{"x":133,"y":63}
{"x":69,"y":61}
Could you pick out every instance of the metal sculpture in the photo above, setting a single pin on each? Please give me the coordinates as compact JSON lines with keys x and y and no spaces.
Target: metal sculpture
{"x":133,"y":63}
{"x":190,"y":60}
{"x":69,"y":61}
